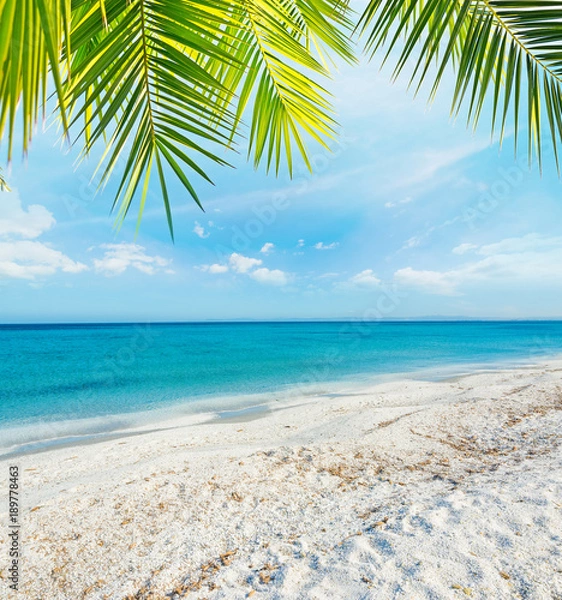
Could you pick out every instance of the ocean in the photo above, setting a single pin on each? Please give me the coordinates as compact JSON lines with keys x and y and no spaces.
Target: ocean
{"x":69,"y":382}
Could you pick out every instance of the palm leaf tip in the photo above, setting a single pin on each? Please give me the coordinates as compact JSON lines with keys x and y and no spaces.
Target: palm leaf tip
{"x":3,"y":184}
{"x":505,"y":52}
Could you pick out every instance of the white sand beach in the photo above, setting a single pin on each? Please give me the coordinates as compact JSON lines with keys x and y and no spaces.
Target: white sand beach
{"x":411,"y":489}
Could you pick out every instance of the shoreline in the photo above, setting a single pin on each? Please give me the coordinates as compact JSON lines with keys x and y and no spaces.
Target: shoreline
{"x":413,"y":489}
{"x":82,"y":431}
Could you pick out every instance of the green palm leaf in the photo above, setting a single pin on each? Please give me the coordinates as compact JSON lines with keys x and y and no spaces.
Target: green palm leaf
{"x":283,"y":43}
{"x":31,"y":38}
{"x":505,"y":51}
{"x":136,"y":87}
{"x":164,"y":85}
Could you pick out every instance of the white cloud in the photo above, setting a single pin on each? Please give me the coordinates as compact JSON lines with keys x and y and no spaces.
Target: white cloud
{"x":243,"y":264}
{"x":393,"y":203}
{"x":532,"y":241}
{"x":118,"y":258}
{"x":464,"y":248}
{"x":424,"y":164}
{"x":417,"y":240}
{"x":323,"y":246}
{"x":412,"y":242}
{"x":528,"y":260}
{"x":17,"y":221}
{"x":267,"y":248}
{"x":200,"y":231}
{"x":213,"y":269}
{"x":270,"y":277}
{"x":434,"y":282}
{"x":366,"y":278}
{"x":300,"y":243}
{"x":26,"y":260}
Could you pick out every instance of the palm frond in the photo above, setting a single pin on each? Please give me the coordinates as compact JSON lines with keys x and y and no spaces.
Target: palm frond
{"x":506,"y":51}
{"x":31,"y":38}
{"x":163,"y":85}
{"x":283,"y":42}
{"x":137,"y":89}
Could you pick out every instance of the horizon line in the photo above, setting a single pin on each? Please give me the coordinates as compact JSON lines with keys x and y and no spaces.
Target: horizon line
{"x":428,"y":319}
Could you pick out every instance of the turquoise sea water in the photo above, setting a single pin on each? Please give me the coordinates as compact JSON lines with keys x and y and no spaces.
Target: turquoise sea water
{"x":59,"y":381}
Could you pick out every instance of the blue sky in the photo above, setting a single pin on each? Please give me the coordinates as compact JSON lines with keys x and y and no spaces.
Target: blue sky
{"x":411,"y":215}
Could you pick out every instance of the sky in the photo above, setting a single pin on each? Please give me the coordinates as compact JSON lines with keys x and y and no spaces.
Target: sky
{"x":410,"y":215}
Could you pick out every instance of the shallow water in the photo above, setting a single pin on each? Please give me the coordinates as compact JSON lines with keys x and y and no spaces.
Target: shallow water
{"x":65,"y":380}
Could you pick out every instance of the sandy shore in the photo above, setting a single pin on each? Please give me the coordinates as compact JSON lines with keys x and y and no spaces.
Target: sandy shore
{"x":404,"y":490}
